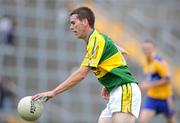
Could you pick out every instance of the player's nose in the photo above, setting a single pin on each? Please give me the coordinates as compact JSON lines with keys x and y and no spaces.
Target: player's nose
{"x":71,"y":27}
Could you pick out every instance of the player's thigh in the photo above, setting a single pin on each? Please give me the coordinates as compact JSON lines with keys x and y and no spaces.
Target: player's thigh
{"x":171,"y":119}
{"x":146,"y":115}
{"x":105,"y":120}
{"x":119,"y":117}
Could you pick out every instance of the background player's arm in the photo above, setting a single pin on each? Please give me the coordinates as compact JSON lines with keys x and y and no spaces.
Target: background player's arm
{"x":71,"y":81}
{"x":163,"y":70}
{"x":162,"y":81}
{"x":147,"y":84}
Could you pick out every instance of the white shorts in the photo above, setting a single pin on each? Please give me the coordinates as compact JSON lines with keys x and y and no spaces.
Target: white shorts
{"x":126,"y":98}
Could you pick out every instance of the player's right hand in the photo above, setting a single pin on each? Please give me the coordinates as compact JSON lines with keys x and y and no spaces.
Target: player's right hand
{"x":45,"y":96}
{"x":105,"y":93}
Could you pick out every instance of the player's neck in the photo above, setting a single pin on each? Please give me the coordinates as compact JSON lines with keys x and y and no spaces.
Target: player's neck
{"x":88,"y":32}
{"x":151,"y":57}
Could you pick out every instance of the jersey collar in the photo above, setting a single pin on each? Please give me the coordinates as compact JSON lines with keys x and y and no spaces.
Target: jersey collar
{"x":92,"y":32}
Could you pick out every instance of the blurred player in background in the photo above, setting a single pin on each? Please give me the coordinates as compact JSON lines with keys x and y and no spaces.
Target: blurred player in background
{"x":109,"y":66}
{"x":158,"y":86}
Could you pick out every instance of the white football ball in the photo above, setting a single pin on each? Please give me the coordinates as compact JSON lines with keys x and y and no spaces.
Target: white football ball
{"x":29,"y":109}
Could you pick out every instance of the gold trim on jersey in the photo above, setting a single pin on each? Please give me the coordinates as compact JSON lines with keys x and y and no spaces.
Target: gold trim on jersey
{"x":109,"y":64}
{"x":114,"y":61}
{"x":95,"y":49}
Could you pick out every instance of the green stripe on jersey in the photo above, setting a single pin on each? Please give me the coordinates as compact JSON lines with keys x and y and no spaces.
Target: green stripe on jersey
{"x":116,"y":77}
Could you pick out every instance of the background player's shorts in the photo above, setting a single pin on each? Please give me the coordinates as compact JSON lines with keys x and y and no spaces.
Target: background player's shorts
{"x":126,"y":98}
{"x":159,"y":106}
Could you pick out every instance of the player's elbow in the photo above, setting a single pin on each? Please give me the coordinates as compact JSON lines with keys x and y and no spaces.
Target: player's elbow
{"x":82,"y":73}
{"x":166,"y":79}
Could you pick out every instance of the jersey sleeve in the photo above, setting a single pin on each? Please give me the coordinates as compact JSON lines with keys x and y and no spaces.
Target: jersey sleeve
{"x":162,"y":69}
{"x":94,"y":52}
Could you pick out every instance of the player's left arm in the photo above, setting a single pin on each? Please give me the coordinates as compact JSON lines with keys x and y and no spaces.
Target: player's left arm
{"x":122,"y":50}
{"x":163,"y":70}
{"x":105,"y":93}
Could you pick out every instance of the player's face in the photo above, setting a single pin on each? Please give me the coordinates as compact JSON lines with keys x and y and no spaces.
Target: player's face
{"x":147,"y":49}
{"x":77,"y":26}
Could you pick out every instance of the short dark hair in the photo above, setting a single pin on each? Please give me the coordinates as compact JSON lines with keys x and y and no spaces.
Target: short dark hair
{"x":149,"y":41}
{"x":85,"y":12}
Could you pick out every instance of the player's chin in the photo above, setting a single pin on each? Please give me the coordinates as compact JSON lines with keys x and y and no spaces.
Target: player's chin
{"x":79,"y":36}
{"x":76,"y":35}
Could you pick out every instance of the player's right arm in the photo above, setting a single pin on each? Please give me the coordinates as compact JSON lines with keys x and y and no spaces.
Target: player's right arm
{"x":70,"y":82}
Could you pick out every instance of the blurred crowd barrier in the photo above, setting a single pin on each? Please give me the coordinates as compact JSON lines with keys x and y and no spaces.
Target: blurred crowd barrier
{"x":42,"y":51}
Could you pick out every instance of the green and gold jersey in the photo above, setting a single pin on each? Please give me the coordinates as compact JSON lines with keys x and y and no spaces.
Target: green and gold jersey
{"x":106,"y":61}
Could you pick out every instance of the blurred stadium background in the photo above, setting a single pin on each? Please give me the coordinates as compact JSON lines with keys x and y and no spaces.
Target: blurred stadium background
{"x":44,"y":51}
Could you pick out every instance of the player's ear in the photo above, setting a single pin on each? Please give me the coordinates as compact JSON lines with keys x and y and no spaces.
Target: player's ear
{"x":85,"y":21}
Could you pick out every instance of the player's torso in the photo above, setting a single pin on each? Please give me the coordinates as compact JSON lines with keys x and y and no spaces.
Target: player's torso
{"x":152,"y":73}
{"x":112,"y":65}
{"x":111,"y":58}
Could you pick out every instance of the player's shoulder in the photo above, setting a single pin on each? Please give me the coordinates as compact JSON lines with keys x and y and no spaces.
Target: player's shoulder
{"x":98,"y":37}
{"x":105,"y":37}
{"x":101,"y":36}
{"x":158,"y":58}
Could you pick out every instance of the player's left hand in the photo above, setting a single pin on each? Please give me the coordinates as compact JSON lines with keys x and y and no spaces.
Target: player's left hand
{"x":45,"y":96}
{"x":105,"y":93}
